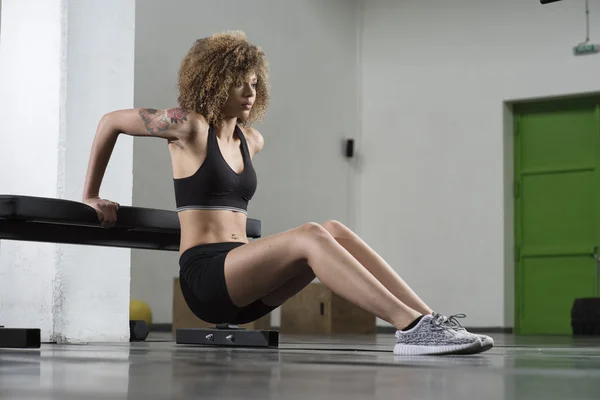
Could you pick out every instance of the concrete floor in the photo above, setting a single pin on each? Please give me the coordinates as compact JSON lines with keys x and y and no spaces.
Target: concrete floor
{"x":304,"y":367}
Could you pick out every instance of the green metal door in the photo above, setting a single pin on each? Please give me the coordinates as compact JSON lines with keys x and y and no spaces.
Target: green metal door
{"x":557,"y":211}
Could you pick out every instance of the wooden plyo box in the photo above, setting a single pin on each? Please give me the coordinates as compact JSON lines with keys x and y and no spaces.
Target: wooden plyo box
{"x":183,"y":317}
{"x":317,"y":310}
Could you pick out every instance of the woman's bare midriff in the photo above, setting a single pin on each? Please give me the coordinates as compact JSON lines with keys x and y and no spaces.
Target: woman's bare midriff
{"x":211,"y":226}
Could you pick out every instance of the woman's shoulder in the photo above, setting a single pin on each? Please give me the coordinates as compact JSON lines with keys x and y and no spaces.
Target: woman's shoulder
{"x":254,"y":138}
{"x":198,"y":121}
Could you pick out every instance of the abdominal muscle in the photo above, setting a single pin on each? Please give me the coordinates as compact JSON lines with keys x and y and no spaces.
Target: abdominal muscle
{"x":211,"y":226}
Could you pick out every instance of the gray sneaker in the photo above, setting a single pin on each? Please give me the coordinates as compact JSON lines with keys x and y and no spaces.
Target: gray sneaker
{"x":486,"y":341}
{"x":433,"y":335}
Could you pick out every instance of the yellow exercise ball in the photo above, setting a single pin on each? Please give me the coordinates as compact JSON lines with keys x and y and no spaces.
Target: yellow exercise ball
{"x":138,"y":310}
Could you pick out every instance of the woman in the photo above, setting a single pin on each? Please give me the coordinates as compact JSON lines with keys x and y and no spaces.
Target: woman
{"x":223,"y":89}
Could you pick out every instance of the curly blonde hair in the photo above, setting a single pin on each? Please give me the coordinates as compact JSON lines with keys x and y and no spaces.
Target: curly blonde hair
{"x":212,"y":65}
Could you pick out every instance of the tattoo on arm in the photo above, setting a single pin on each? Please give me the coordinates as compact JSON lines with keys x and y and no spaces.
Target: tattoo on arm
{"x":158,"y":120}
{"x":155,"y":120}
{"x":177,"y":115}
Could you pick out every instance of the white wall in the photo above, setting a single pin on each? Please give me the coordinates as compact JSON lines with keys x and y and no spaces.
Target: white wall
{"x":27,"y":269}
{"x":60,"y":71}
{"x":311,"y":47}
{"x":436,"y":199}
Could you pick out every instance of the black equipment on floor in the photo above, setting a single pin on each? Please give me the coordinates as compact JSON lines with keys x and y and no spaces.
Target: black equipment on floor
{"x":585,"y":316}
{"x":19,"y":338}
{"x":585,"y":312}
{"x":228,"y":335}
{"x":138,"y":330}
{"x":41,"y":219}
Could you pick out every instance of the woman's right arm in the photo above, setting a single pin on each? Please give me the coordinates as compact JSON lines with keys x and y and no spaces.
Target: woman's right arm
{"x":174,"y":125}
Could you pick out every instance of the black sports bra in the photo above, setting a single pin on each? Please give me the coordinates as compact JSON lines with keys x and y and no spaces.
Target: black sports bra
{"x":215,"y":186}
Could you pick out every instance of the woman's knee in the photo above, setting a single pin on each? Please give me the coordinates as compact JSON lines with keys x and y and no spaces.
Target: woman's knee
{"x":314,"y":232}
{"x":335,"y":228}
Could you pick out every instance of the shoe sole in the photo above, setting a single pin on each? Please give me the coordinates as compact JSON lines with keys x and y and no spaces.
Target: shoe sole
{"x":485,"y":346}
{"x":412,"y":350}
{"x":482,"y":348}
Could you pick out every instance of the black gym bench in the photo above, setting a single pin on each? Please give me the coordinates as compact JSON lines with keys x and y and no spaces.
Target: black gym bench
{"x":40,"y":219}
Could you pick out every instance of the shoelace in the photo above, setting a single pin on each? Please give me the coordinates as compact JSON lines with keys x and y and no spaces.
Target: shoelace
{"x":439,"y":321}
{"x":452,"y":321}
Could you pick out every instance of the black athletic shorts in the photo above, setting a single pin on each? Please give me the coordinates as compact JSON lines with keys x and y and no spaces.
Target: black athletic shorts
{"x":202,"y":281}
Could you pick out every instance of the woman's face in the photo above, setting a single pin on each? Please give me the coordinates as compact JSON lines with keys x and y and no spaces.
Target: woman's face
{"x":241,"y":97}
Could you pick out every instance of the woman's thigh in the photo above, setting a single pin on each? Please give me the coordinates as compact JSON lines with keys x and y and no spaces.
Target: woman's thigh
{"x":257,"y":269}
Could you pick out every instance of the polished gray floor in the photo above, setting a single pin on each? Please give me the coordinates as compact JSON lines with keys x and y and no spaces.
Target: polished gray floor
{"x":304,"y":367}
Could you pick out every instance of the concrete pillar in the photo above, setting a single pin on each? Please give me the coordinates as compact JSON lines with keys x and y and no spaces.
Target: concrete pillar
{"x":63,"y":64}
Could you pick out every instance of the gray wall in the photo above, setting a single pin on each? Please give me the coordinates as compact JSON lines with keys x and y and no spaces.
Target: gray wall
{"x":436,"y":77}
{"x":312,"y":51}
